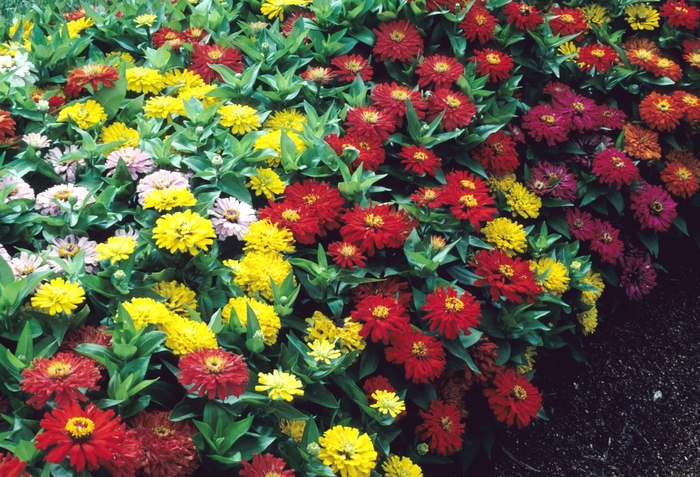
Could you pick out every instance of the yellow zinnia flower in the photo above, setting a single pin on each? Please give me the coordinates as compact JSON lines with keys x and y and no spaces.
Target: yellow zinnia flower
{"x":279,"y":385}
{"x":557,"y":278}
{"x":275,"y":8}
{"x":292,"y":428}
{"x":77,"y":26}
{"x":588,"y":320}
{"x":530,"y":353}
{"x":168,"y":199}
{"x":323,"y":351}
{"x":523,"y":202}
{"x":146,"y":311}
{"x":185,"y":336}
{"x":255,"y":270}
{"x":569,"y":48}
{"x":199,"y":93}
{"x":642,"y":17}
{"x":144,"y":80}
{"x":594,"y":279}
{"x":267,"y":317}
{"x":58,"y":296}
{"x":183,"y":78}
{"x":387,"y":402}
{"x":273,"y":140}
{"x":184,"y":231}
{"x":347,"y":451}
{"x":596,"y":14}
{"x":287,"y":119}
{"x":506,"y":235}
{"x":177,"y":296}
{"x":116,"y":248}
{"x":120,"y":132}
{"x":322,"y":328}
{"x":241,"y":119}
{"x":84,"y":115}
{"x":265,"y":237}
{"x":147,"y":19}
{"x":502,"y":183}
{"x":266,"y":182}
{"x":396,"y":466}
{"x":164,"y":107}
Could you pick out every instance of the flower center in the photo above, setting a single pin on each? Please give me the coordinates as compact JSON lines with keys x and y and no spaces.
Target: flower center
{"x":429,"y":195}
{"x":606,"y":238}
{"x":657,"y":206}
{"x":58,"y":370}
{"x":231,"y":215}
{"x":493,"y":59}
{"x":80,"y":428}
{"x":467,"y":184}
{"x":68,"y":250}
{"x":468,"y":200}
{"x":441,"y":67}
{"x":506,"y":270}
{"x":690,"y":100}
{"x":310,"y":198}
{"x":453,"y":102}
{"x":214,"y":364}
{"x":290,"y":215}
{"x":380,"y":311}
{"x":663,"y":63}
{"x":643,"y":55}
{"x":62,"y":194}
{"x":578,"y":107}
{"x":183,"y":230}
{"x":453,"y":304}
{"x":567,"y":18}
{"x":420,"y":156}
{"x":578,"y":224}
{"x":683,"y":174}
{"x":480,"y":20}
{"x":618,"y":163}
{"x":82,"y":113}
{"x":598,"y":53}
{"x":215,"y":54}
{"x":663,"y":106}
{"x":348,"y":449}
{"x":519,"y":393}
{"x":353,"y":66}
{"x":497,"y":148}
{"x":419,"y":349}
{"x":162,"y":431}
{"x":397,"y":36}
{"x":348,"y":250}
{"x":25,"y":269}
{"x":399,"y":94}
{"x":446,"y":424}
{"x":370,"y":117}
{"x":374,"y":221}
{"x":547,"y":118}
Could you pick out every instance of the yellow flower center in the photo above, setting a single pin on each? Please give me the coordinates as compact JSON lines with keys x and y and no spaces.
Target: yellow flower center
{"x":690,"y":100}
{"x":62,"y":194}
{"x":663,"y":63}
{"x":643,"y":54}
{"x":493,"y":59}
{"x":371,"y":117}
{"x":663,"y":106}
{"x":441,"y":67}
{"x":80,"y":427}
{"x":547,"y":118}
{"x":497,"y":148}
{"x":446,"y":424}
{"x":525,"y":9}
{"x":419,"y":349}
{"x":683,"y":174}
{"x":58,"y":370}
{"x":310,"y":198}
{"x":519,"y":393}
{"x":214,"y":364}
{"x":606,"y":238}
{"x":353,"y":66}
{"x":578,"y":106}
{"x":480,"y":20}
{"x":420,"y":156}
{"x":380,"y":311}
{"x":162,"y":431}
{"x":657,"y":206}
{"x":374,"y":221}
{"x":215,"y":54}
{"x":291,"y":215}
{"x":467,"y":184}
{"x":598,"y":53}
{"x":468,"y":200}
{"x":506,"y":270}
{"x":453,"y":303}
{"x":348,"y":250}
{"x":429,"y":195}
{"x":82,"y":113}
{"x":397,"y":36}
{"x":681,"y":10}
{"x":399,"y":94}
{"x":453,"y":102}
{"x":68,"y":250}
{"x":567,"y":18}
{"x":231,"y":215}
{"x":618,"y":162}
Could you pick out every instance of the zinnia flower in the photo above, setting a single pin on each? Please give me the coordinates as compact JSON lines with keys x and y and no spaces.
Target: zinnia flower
{"x":205,"y":55}
{"x":296,"y":217}
{"x":136,"y":161}
{"x":421,"y":355}
{"x":230,"y":217}
{"x":7,"y":125}
{"x":568,"y":21}
{"x":513,"y":399}
{"x":679,"y":180}
{"x":347,"y":452}
{"x":484,"y":355}
{"x":638,"y":276}
{"x":185,"y":335}
{"x":16,"y":188}
{"x":641,"y":142}
{"x":62,"y":377}
{"x":553,"y":276}
{"x":144,"y":80}
{"x":543,"y":122}
{"x":510,"y":277}
{"x":83,"y":115}
{"x":458,"y":110}
{"x":641,"y":16}
{"x":318,"y":74}
{"x":523,"y":16}
{"x":581,"y":225}
{"x":665,"y":67}
{"x":397,"y":40}
{"x":382,"y":317}
{"x":581,"y":113}
{"x":372,"y":228}
{"x":348,"y":67}
{"x":279,"y":385}
{"x":322,"y":200}
{"x":553,"y":180}
{"x":523,"y":202}
{"x":478,"y":25}
{"x":614,"y":168}
{"x":26,"y":264}
{"x":371,"y":153}
{"x":449,"y":313}
{"x":46,"y":201}
{"x":184,"y":232}
{"x":241,"y":119}
{"x":266,"y":182}
{"x":492,"y":63}
{"x":497,"y":154}
{"x":268,"y":319}
{"x":167,"y":36}
{"x":36,"y":140}
{"x":678,"y":13}
{"x":391,"y":100}
{"x":92,"y":74}
{"x":387,"y":402}
{"x":266,"y":237}
{"x":213,"y":372}
{"x":507,"y":235}
{"x":438,"y":70}
{"x":11,"y":466}
{"x":600,"y":57}
{"x":265,"y":465}
{"x":441,"y":428}
{"x":168,"y":199}
{"x":605,"y":241}
{"x":396,"y":466}
{"x":419,"y":160}
{"x":660,"y":111}
{"x":68,"y":247}
{"x":368,"y":121}
{"x":58,"y":296}
{"x":653,"y":208}
{"x":346,"y":255}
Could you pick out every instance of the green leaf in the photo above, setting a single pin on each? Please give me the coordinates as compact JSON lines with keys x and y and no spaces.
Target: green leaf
{"x":111,"y":98}
{"x":25,"y":345}
{"x":320,"y":395}
{"x":369,"y":361}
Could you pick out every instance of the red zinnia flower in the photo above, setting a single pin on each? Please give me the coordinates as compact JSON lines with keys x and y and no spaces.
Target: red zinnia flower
{"x":377,"y":383}
{"x":653,"y":208}
{"x":449,"y":313}
{"x":478,"y":25}
{"x":484,"y":355}
{"x":213,"y":372}
{"x":390,"y":287}
{"x":60,"y":376}
{"x":469,"y":198}
{"x":318,"y":74}
{"x":74,"y":15}
{"x":441,"y":427}
{"x":680,"y":180}
{"x":691,"y":52}
{"x":554,"y":88}
{"x":375,"y":227}
{"x":428,"y":196}
{"x":606,"y":241}
{"x":493,"y":63}
{"x":391,"y":100}
{"x":568,"y":21}
{"x":12,"y":467}
{"x":638,"y":276}
{"x":614,"y":168}
{"x":510,"y":277}
{"x":346,"y":255}
{"x":7,"y":125}
{"x":513,"y":399}
{"x":689,"y":104}
{"x":297,"y":217}
{"x":422,"y":355}
{"x":543,"y":122}
{"x":167,"y":445}
{"x":600,"y":57}
{"x":381,"y":317}
{"x":441,"y":71}
{"x":85,"y":334}
{"x":680,"y":13}
{"x":581,"y":226}
{"x":611,"y":118}
{"x":420,"y":160}
{"x":367,"y":122}
{"x":194,"y":35}
{"x":497,"y":154}
{"x":459,"y":111}
{"x":660,"y":112}
{"x":205,"y":55}
{"x":522,"y":15}
{"x":397,"y":40}
{"x":292,"y":19}
{"x":89,"y":437}
{"x":167,"y":35}
{"x":349,"y":66}
{"x":92,"y":74}
{"x":265,"y":465}
{"x":371,"y":155}
{"x":129,"y":460}
{"x":322,"y":200}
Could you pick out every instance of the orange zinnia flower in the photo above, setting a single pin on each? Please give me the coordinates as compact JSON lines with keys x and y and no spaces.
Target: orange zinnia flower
{"x":660,"y":111}
{"x":641,"y":142}
{"x":679,"y":180}
{"x":686,"y":158}
{"x":92,"y":74}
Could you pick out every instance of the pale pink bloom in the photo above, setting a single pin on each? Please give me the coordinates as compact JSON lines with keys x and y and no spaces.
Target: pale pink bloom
{"x":129,"y":232}
{"x":136,"y":160}
{"x":36,"y":140}
{"x":18,"y":188}
{"x":160,"y":180}
{"x":231,"y":218}
{"x":25,"y":264}
{"x":47,"y":203}
{"x":68,"y":247}
{"x":4,"y":254}
{"x":66,"y":169}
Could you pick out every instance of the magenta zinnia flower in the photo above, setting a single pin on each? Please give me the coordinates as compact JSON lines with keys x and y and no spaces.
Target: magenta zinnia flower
{"x":47,"y":203}
{"x":580,"y":112}
{"x":638,"y":276}
{"x":136,"y":160}
{"x":543,"y":122}
{"x":231,"y":217}
{"x":606,"y":241}
{"x":653,"y":207}
{"x":581,"y":225}
{"x":553,"y":180}
{"x":614,"y":168}
{"x":18,"y":188}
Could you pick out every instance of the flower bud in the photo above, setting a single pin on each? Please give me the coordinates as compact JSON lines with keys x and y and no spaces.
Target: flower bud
{"x":217,"y":160}
{"x":42,"y":105}
{"x":422,"y":448}
{"x":265,"y":47}
{"x":119,"y":275}
{"x":424,"y":129}
{"x":199,"y":130}
{"x":313,"y":449}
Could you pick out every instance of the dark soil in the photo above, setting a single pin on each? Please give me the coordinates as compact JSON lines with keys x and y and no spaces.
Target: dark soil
{"x":634,"y":408}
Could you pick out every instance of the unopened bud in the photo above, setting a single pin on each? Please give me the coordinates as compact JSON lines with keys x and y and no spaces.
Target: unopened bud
{"x":437,"y":243}
{"x":217,"y":160}
{"x":199,"y":130}
{"x":313,"y":449}
{"x":576,"y":265}
{"x":422,"y":448}
{"x":119,"y":275}
{"x":73,"y":199}
{"x":265,"y":47}
{"x":424,"y":129}
{"x":42,"y":105}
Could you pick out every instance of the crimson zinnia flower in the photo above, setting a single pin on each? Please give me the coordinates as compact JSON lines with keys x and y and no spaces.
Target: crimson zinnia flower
{"x":265,"y":465}
{"x":611,"y":118}
{"x":60,"y":376}
{"x":614,"y":168}
{"x":638,"y":276}
{"x":7,"y":125}
{"x":441,"y":428}
{"x":350,"y":66}
{"x":367,"y":122}
{"x":381,"y":316}
{"x":660,"y":111}
{"x":679,"y":180}
{"x":205,"y":55}
{"x":513,"y":399}
{"x":492,"y":63}
{"x":92,"y":74}
{"x":600,"y":57}
{"x":543,"y":122}
{"x":478,"y":25}
{"x":497,"y":154}
{"x":421,"y":355}
{"x":459,"y":111}
{"x":167,"y":35}
{"x":88,"y":437}
{"x":469,"y":198}
{"x":12,"y":467}
{"x":581,"y":226}
{"x":322,"y":200}
{"x":441,"y":71}
{"x":167,"y":445}
{"x":377,"y":383}
{"x":428,"y":196}
{"x":296,"y":216}
{"x":391,"y":100}
{"x":213,"y":372}
{"x":510,"y":277}
{"x":522,"y":15}
{"x":397,"y":40}
{"x":346,"y":255}
{"x":375,"y":227}
{"x":420,"y":160}
{"x":553,"y":180}
{"x":681,"y":14}
{"x":653,"y":208}
{"x":371,"y":154}
{"x":194,"y":35}
{"x":568,"y":21}
{"x":606,"y":241}
{"x":449,"y":313}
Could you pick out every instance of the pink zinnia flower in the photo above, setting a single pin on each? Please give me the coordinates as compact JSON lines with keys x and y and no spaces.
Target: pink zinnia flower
{"x":160,"y":180}
{"x":653,"y":207}
{"x":25,"y":264}
{"x":3,"y":253}
{"x":68,"y":247}
{"x":611,"y":118}
{"x":231,"y":217}
{"x":614,"y":168}
{"x":581,"y":225}
{"x":606,"y":242}
{"x":47,"y":203}
{"x":543,"y":122}
{"x":66,"y":169}
{"x":127,"y":232}
{"x":553,"y":180}
{"x":638,"y":276}
{"x":36,"y":140}
{"x":136,"y":160}
{"x":18,"y":188}
{"x":580,"y":112}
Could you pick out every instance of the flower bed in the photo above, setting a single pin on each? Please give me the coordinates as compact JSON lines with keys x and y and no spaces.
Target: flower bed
{"x":286,"y":238}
